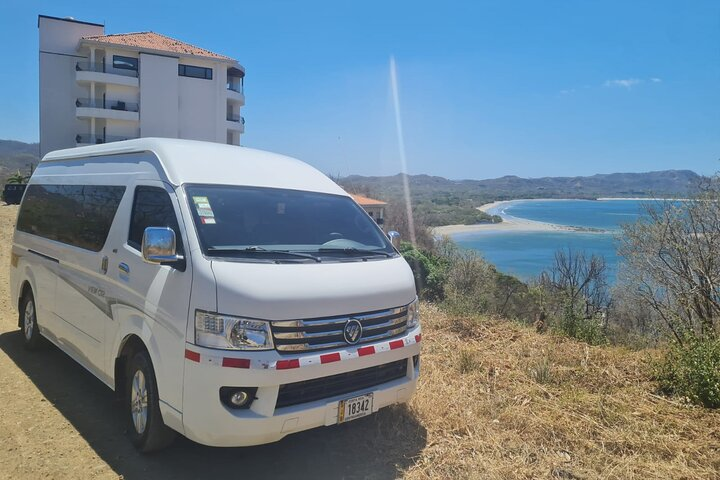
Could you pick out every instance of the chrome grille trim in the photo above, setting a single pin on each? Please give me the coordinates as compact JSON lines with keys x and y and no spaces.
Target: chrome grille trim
{"x":324,"y":333}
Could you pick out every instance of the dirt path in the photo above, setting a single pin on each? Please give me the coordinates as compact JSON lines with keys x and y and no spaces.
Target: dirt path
{"x":59,"y":421}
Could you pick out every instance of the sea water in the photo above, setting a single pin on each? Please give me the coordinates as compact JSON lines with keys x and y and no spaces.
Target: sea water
{"x":526,"y":254}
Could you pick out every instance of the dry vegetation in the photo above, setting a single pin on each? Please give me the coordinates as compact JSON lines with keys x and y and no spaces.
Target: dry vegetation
{"x":499,"y":400}
{"x":496,"y":400}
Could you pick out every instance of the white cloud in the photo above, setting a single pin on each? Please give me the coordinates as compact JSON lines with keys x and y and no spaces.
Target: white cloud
{"x":656,"y":80}
{"x":625,"y":83}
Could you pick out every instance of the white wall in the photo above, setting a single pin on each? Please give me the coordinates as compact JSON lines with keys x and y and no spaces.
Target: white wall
{"x":198,"y":110}
{"x":58,"y":89}
{"x":159,"y":90}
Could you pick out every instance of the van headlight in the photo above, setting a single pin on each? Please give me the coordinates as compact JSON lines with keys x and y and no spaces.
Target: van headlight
{"x":231,"y":333}
{"x":413,"y":314}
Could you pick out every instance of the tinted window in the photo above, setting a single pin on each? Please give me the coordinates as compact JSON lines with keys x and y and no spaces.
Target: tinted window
{"x":152,"y":207}
{"x":126,"y":63}
{"x":194,"y":72}
{"x":78,"y":215}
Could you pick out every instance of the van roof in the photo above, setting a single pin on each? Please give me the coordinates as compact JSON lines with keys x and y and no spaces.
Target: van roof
{"x":192,"y":161}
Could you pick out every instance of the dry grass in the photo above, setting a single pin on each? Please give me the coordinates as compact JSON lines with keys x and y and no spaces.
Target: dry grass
{"x":498,"y":400}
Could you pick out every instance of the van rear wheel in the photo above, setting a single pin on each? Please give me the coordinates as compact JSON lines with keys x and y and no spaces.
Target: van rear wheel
{"x":145,"y":424}
{"x":28,"y":322}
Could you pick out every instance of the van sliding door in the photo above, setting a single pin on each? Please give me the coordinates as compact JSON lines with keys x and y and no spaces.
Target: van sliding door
{"x":81,"y":298}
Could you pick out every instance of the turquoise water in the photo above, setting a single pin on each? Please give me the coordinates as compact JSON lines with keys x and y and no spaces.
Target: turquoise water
{"x":527,"y":254}
{"x":606,"y":215}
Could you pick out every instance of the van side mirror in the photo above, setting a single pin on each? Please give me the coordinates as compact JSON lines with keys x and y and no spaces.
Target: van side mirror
{"x":394,"y":238}
{"x":158,"y":245}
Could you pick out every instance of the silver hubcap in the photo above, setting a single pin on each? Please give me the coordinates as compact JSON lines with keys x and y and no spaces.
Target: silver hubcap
{"x":138,"y":402}
{"x":29,"y":320}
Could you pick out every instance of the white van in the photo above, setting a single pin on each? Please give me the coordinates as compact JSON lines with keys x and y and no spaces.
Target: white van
{"x":228,"y":294}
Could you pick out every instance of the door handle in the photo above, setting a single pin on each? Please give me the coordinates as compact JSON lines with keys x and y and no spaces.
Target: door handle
{"x":104,"y":265}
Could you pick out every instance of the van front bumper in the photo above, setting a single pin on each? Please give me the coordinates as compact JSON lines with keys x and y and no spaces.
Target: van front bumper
{"x":208,"y":421}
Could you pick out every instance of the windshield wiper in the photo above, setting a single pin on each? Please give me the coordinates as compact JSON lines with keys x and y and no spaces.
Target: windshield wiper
{"x":354,"y":251}
{"x":261,"y":250}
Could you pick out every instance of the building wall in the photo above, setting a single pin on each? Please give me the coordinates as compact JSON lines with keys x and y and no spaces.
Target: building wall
{"x":159,"y":96}
{"x":199,"y":116}
{"x":58,"y":89}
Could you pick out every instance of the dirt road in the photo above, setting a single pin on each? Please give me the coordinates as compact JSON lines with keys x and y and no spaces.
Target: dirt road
{"x":59,"y":421}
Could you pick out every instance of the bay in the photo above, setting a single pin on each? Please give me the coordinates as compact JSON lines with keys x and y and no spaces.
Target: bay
{"x":526,"y":254}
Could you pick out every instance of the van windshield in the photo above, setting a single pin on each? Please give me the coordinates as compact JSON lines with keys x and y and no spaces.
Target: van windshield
{"x":268,"y":224}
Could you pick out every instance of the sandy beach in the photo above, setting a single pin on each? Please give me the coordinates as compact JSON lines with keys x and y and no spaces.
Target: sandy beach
{"x":509,"y":222}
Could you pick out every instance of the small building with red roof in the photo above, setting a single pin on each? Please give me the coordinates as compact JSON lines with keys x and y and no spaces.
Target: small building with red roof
{"x":375,"y":208}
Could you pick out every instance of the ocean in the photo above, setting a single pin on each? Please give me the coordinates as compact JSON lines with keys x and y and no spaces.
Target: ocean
{"x":526,"y":254}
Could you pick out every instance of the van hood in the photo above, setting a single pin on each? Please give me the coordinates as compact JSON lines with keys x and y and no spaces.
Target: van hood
{"x":307,"y":290}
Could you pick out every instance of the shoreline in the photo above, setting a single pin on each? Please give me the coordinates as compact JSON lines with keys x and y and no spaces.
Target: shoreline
{"x":511,"y":223}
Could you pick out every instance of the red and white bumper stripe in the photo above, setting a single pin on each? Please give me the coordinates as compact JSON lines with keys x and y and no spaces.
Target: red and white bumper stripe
{"x":304,"y":361}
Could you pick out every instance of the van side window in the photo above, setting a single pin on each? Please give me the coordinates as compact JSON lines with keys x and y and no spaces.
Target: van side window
{"x":152,"y":207}
{"x":77,"y":215}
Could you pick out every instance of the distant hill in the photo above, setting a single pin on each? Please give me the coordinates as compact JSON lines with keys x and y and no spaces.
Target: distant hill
{"x":439,"y":201}
{"x":662,"y":183}
{"x":16,"y":156}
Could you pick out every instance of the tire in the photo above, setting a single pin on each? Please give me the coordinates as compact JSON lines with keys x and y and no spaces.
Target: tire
{"x":32,"y":339}
{"x":145,"y":424}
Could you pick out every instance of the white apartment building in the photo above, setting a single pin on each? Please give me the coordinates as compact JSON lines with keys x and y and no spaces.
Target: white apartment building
{"x":98,"y":88}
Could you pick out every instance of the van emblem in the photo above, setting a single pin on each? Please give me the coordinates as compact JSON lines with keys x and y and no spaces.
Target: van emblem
{"x":352,"y":331}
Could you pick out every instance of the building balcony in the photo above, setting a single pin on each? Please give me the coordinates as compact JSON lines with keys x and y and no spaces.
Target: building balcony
{"x":100,"y":72}
{"x":87,"y":139}
{"x":109,"y":109}
{"x":235,"y":122}
{"x":235,"y":94}
{"x":117,"y":105}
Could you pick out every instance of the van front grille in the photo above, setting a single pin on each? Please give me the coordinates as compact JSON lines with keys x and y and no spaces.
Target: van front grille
{"x":292,"y":336}
{"x":340,"y":384}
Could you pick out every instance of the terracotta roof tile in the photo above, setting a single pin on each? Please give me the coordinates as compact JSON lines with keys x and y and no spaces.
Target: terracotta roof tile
{"x":155,"y":41}
{"x":366,"y":201}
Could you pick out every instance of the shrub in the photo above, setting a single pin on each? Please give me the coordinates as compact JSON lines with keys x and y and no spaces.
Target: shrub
{"x":428,"y":269}
{"x":692,"y":370}
{"x":586,"y":329}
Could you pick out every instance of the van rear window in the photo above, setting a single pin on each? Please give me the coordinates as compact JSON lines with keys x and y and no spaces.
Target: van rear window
{"x":77,"y":215}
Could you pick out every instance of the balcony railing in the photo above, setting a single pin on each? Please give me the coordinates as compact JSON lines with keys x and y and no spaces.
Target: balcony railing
{"x":107,"y":104}
{"x":231,"y":117}
{"x":235,"y":88}
{"x":101,"y":67}
{"x":99,"y":139}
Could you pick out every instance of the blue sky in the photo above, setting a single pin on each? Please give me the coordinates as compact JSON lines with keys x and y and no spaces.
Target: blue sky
{"x":528,"y":88}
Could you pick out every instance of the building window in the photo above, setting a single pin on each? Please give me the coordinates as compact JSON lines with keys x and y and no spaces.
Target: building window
{"x":194,"y":72}
{"x":125,"y":63}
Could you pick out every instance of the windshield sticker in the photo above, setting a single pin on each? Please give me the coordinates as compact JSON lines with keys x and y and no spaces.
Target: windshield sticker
{"x":207,"y":220}
{"x":202,"y":205}
{"x":281,"y":209}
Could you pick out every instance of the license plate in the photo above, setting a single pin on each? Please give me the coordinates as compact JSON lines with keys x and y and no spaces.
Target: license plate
{"x":355,"y":407}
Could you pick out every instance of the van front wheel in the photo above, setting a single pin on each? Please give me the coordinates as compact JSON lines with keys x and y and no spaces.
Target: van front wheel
{"x":28,"y":321}
{"x":145,"y":425}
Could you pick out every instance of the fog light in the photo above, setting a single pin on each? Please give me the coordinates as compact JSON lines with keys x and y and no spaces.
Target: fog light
{"x":237,"y":398}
